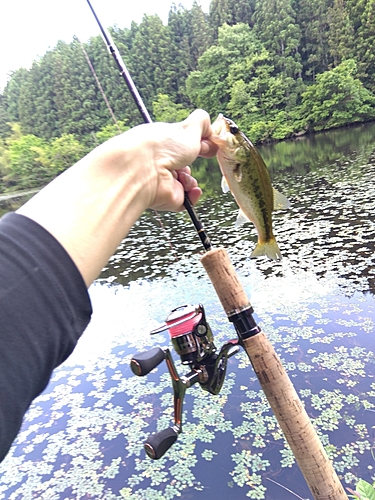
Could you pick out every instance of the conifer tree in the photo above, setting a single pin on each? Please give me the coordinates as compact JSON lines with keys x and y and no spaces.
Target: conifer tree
{"x":26,"y":107}
{"x":12,"y":93}
{"x":355,"y":9}
{"x":312,"y":19}
{"x":230,"y":12}
{"x":200,"y":33}
{"x":365,"y":46}
{"x":276,"y":26}
{"x":114,"y":86}
{"x":38,"y":114}
{"x":152,"y":59}
{"x":77,"y":96}
{"x":4,"y":119}
{"x":179,"y":33}
{"x":340,"y":33}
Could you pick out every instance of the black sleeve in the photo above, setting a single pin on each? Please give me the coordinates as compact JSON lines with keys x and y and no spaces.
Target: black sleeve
{"x":44,"y":308}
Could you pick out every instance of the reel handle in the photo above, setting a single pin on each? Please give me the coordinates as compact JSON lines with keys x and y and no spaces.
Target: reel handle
{"x":142,"y":363}
{"x":159,"y":443}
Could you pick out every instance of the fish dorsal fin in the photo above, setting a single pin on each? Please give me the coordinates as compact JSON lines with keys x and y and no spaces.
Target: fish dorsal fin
{"x":241,"y":219}
{"x":279,"y":200}
{"x":224,"y":185}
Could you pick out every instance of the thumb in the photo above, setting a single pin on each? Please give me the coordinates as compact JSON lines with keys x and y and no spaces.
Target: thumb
{"x":199,"y":120}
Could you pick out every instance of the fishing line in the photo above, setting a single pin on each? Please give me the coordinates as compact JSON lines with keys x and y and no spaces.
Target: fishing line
{"x":147,"y":119}
{"x":99,"y":85}
{"x":282,"y":397}
{"x":158,"y":218}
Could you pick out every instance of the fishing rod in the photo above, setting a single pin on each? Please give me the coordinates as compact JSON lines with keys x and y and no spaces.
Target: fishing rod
{"x":147,"y":119}
{"x":192,"y":338}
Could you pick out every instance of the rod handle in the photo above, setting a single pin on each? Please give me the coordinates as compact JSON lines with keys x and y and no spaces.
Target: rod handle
{"x":142,"y":363}
{"x":289,"y":411}
{"x":159,"y":443}
{"x":224,"y":278}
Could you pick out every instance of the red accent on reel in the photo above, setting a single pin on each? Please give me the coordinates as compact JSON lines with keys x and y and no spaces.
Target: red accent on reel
{"x":184,"y":325}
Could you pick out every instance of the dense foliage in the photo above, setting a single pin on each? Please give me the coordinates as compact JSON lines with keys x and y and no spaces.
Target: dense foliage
{"x":278,"y":67}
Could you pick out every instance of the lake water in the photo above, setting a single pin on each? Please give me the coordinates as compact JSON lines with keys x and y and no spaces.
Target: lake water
{"x":83,"y":437}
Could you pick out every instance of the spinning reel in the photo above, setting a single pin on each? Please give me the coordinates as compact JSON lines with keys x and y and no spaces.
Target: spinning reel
{"x":193,"y":341}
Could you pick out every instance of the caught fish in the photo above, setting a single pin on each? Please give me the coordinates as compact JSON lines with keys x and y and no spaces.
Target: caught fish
{"x":246,"y":176}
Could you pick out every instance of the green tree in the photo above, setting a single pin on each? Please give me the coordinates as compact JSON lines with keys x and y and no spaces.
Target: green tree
{"x":230,"y":12}
{"x":79,"y":104}
{"x":340,"y":33}
{"x":111,"y":130}
{"x":165,"y":110}
{"x":337,"y":98}
{"x":237,"y":77}
{"x":180,"y":35}
{"x":355,"y":9}
{"x":12,"y":93}
{"x":365,"y":46}
{"x":6,"y":176}
{"x":312,"y":19}
{"x":276,"y":26}
{"x":209,"y":87}
{"x":200,"y":33}
{"x":114,"y":86}
{"x":4,"y":119}
{"x":4,"y":165}
{"x":258,"y":99}
{"x":37,"y":110}
{"x":152,"y":58}
{"x":27,"y":161}
{"x":60,"y":154}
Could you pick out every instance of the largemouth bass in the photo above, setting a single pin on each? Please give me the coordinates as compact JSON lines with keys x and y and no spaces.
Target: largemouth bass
{"x":246,"y":176}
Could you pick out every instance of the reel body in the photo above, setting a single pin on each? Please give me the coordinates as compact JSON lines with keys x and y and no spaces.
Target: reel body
{"x":192,"y":339}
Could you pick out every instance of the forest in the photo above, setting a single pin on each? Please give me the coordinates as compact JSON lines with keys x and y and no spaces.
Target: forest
{"x":279,"y":68}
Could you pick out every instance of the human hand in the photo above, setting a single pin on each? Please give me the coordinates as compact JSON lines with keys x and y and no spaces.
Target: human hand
{"x":167,"y":149}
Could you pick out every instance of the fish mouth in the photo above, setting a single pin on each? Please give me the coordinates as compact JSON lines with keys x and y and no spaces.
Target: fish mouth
{"x":219,"y":131}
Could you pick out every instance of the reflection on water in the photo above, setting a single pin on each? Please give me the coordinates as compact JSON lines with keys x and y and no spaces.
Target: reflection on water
{"x":83,"y":436}
{"x":329,"y":228}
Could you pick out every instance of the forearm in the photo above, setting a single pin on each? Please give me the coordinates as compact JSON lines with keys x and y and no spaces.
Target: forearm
{"x":90,"y":208}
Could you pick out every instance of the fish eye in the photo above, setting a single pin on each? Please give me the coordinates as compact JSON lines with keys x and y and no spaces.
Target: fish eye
{"x":233,"y":129}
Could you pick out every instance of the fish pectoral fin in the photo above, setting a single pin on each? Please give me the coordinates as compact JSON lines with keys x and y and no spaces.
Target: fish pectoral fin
{"x":241,"y":219}
{"x":279,"y":200}
{"x":238,"y":172}
{"x":224,"y":185}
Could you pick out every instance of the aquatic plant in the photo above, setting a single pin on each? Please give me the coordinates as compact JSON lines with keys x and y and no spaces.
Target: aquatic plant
{"x":84,"y":435}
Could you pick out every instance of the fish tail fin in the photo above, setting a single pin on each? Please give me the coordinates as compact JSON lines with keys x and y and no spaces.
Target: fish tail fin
{"x":269,"y":248}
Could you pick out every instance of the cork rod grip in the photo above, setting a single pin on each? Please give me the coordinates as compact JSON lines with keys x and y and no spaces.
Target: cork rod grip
{"x":223,"y":276}
{"x":291,"y":415}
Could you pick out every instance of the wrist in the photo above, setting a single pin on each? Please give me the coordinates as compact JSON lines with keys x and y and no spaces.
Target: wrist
{"x":127,"y":164}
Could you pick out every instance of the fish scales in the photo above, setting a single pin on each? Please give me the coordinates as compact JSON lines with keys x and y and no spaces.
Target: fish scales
{"x":246,"y":176}
{"x":255,"y":187}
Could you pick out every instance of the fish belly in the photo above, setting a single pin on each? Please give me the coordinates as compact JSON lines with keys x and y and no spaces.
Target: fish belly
{"x":255,"y":201}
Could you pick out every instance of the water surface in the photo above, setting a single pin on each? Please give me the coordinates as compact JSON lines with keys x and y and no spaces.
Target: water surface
{"x":83,"y":437}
